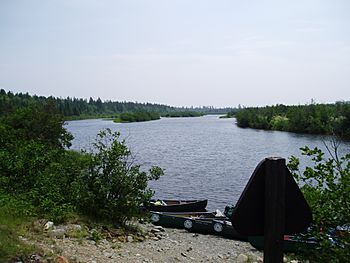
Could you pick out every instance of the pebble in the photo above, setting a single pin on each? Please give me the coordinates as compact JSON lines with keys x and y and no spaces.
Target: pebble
{"x":57,"y":233}
{"x":242,"y":258}
{"x":130,"y":239}
{"x":159,"y":228}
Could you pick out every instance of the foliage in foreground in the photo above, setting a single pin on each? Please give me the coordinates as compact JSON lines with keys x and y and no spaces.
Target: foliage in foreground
{"x":40,"y":177}
{"x":113,"y":188}
{"x":14,"y":214}
{"x":326,"y":187}
{"x":35,"y":165}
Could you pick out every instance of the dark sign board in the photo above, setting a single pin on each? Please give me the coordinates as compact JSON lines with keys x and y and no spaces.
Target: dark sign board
{"x":249,"y":215}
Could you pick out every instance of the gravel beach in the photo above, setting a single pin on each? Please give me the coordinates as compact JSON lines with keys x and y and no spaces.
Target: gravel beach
{"x":161,"y":245}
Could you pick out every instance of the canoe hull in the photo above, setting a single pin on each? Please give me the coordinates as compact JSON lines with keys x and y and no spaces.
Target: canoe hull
{"x":180,"y":206}
{"x":220,"y":227}
{"x":178,"y":219}
{"x":289,"y":243}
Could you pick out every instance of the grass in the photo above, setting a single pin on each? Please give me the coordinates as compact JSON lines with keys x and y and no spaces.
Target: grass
{"x":14,"y":217}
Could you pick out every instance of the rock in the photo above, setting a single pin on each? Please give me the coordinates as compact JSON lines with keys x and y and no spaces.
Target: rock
{"x":36,"y":258}
{"x":183,"y":254}
{"x":75,"y":227}
{"x":285,"y":260}
{"x":48,"y":225}
{"x":154,"y":230}
{"x":220,"y":256}
{"x":130,"y":238}
{"x":108,"y":254}
{"x":294,"y":261}
{"x":189,"y":249}
{"x":121,"y":238}
{"x":155,"y":238}
{"x":160,"y":228}
{"x":242,"y":258}
{"x":57,"y":233}
{"x":61,"y":259}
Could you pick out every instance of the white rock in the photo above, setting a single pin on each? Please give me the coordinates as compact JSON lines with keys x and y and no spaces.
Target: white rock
{"x":242,"y":258}
{"x":48,"y":225}
{"x":130,"y":239}
{"x":159,"y":228}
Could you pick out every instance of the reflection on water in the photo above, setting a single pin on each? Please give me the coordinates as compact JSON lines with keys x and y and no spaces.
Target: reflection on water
{"x":204,"y":158}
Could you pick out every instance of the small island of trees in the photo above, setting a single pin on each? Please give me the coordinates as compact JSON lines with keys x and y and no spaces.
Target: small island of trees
{"x":312,"y":118}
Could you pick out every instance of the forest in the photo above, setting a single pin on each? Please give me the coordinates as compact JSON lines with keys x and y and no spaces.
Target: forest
{"x":329,"y":119}
{"x":78,"y":108}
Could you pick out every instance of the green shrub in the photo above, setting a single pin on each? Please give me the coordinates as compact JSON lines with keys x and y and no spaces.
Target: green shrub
{"x":113,"y":188}
{"x":34,"y":164}
{"x":326,"y":187}
{"x":279,"y":123}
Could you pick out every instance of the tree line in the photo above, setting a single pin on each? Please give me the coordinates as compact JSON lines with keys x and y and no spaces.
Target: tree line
{"x":75,"y":107}
{"x":332,"y":119}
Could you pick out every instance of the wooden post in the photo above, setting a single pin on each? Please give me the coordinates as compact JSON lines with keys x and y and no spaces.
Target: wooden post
{"x":274,"y":209}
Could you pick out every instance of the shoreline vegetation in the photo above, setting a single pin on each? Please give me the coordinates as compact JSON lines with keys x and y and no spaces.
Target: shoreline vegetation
{"x":326,"y":119}
{"x":78,"y":108}
{"x":42,"y":180}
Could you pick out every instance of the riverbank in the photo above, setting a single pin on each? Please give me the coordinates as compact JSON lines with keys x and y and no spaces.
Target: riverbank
{"x":155,"y":245}
{"x":159,"y":245}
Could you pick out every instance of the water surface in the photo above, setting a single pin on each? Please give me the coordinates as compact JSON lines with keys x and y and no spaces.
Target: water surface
{"x":204,"y":157}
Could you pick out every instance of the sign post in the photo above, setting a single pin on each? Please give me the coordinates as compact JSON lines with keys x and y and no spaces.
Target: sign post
{"x":274,"y":210}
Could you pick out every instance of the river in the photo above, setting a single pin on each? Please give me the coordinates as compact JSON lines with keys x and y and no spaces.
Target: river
{"x":204,"y":157}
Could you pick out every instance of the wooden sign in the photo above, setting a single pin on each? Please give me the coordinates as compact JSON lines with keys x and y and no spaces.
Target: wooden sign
{"x":271,"y":205}
{"x":249,"y":215}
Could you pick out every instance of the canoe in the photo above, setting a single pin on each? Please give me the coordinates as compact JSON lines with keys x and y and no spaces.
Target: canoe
{"x":180,"y":219}
{"x":178,"y":205}
{"x":291,"y":243}
{"x":215,"y":226}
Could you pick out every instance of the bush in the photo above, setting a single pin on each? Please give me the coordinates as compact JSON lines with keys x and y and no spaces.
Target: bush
{"x":114,"y":188}
{"x":326,"y":187}
{"x":34,"y":164}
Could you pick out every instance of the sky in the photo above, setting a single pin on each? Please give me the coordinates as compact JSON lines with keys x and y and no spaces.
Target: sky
{"x":178,"y":52}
